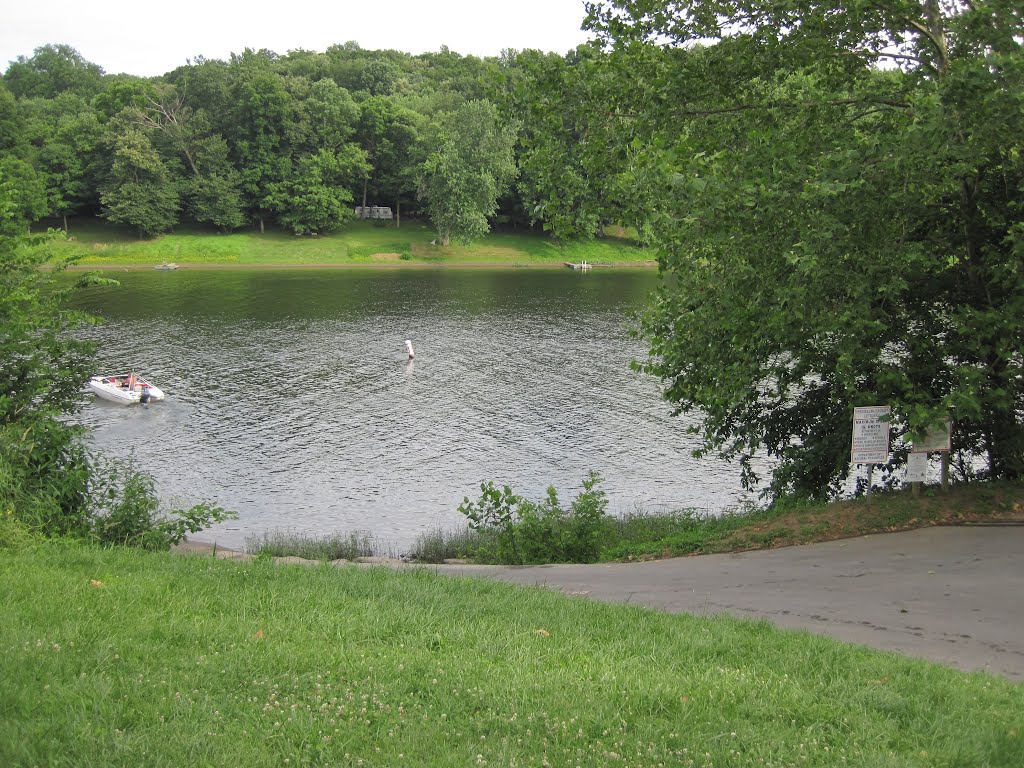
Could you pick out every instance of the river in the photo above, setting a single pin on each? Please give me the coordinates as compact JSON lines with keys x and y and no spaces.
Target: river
{"x":292,"y":401}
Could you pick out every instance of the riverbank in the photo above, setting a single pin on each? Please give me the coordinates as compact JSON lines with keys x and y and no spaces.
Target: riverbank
{"x":124,"y":657}
{"x":99,"y":245}
{"x":643,"y":536}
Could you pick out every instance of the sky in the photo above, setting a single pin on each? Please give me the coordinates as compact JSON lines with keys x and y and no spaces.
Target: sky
{"x":147,"y":38}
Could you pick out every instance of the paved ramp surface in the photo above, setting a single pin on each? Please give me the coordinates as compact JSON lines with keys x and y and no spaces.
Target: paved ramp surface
{"x":952,"y":595}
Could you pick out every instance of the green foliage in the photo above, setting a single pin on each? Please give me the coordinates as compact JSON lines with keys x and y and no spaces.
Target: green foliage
{"x":124,"y":509}
{"x":326,"y":548}
{"x":316,"y":197}
{"x":139,"y":190}
{"x":468,"y":166}
{"x":495,"y":512}
{"x":517,"y":530}
{"x":52,"y":70}
{"x":832,"y":234}
{"x":49,"y":486}
{"x":25,"y":195}
{"x":65,"y":132}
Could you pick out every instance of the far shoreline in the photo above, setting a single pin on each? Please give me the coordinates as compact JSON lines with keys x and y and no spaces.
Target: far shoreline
{"x":630,"y":265}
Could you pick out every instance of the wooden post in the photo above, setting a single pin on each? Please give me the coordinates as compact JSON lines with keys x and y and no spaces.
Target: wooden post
{"x":945,"y":471}
{"x":867,"y":495}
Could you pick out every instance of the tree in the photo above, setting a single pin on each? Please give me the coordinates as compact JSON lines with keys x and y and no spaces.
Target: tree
{"x":53,"y":69}
{"x":261,"y":119}
{"x":66,"y":135}
{"x":42,"y":368}
{"x":12,"y":124}
{"x":833,"y":234}
{"x":388,"y":133}
{"x":468,"y":165}
{"x":573,"y":193}
{"x":25,"y":195}
{"x":211,"y":187}
{"x":317,"y":196}
{"x":213,"y":192}
{"x":139,"y":190}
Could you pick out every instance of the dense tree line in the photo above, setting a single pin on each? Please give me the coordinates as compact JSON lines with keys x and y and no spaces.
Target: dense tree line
{"x":296,"y":140}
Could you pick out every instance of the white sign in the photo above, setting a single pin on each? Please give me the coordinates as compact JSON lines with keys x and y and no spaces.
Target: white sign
{"x":936,"y":439}
{"x":917,"y":468}
{"x":870,"y":435}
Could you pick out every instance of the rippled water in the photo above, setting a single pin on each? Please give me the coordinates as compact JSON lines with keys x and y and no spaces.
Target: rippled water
{"x":291,"y":399}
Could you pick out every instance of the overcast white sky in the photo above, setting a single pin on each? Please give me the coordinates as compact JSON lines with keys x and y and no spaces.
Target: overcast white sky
{"x":147,"y":38}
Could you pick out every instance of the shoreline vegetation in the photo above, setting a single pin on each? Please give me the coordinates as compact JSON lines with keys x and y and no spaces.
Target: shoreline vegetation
{"x":98,"y":245}
{"x":653,"y":535}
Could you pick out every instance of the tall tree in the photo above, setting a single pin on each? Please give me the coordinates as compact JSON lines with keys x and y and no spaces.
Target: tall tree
{"x":261,"y":119}
{"x":317,"y":196}
{"x":43,"y":474}
{"x":833,"y":234}
{"x":66,"y":133}
{"x":139,"y":190}
{"x":469,"y":164}
{"x":25,"y":194}
{"x":388,"y":133}
{"x":53,"y":69}
{"x":560,"y":103}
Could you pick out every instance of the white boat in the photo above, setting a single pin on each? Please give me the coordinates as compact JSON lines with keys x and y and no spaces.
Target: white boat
{"x":125,"y":388}
{"x":167,"y":266}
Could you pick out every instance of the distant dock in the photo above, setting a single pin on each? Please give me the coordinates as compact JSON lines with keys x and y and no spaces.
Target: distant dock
{"x":579,"y":265}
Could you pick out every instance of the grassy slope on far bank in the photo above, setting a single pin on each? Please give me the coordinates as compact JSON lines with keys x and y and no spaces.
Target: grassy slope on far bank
{"x":118,"y":657}
{"x":359,"y":242}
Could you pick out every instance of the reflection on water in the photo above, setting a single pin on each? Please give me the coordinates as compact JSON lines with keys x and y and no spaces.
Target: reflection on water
{"x":291,"y":398}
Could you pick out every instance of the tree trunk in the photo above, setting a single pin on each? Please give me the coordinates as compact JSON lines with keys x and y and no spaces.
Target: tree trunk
{"x":365,"y":180}
{"x":65,"y":217}
{"x":398,"y":213}
{"x":936,"y":33}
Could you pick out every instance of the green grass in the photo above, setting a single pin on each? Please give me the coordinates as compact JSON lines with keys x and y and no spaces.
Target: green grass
{"x":122,"y":658}
{"x":326,"y":548}
{"x":101,"y":244}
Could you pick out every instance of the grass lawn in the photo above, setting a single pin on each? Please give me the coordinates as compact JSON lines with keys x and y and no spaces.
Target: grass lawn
{"x":361,"y":242}
{"x":122,"y":658}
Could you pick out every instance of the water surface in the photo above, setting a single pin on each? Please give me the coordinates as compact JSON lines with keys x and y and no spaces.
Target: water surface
{"x":291,"y":399}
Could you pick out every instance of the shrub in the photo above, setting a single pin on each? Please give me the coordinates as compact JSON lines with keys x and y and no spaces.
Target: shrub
{"x":520,"y":531}
{"x":124,"y":509}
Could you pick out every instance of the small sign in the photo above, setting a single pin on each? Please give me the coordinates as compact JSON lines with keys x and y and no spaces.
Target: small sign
{"x":870,"y":435}
{"x":936,"y":439}
{"x":917,"y":468}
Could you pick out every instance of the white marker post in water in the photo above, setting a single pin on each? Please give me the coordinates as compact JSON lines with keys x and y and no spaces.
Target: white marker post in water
{"x":408,"y":345}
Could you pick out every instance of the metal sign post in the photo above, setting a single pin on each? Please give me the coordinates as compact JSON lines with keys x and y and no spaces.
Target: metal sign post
{"x":938,"y":440}
{"x":870,"y":439}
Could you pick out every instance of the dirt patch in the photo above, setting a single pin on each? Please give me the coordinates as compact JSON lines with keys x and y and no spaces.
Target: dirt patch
{"x":385,"y":256}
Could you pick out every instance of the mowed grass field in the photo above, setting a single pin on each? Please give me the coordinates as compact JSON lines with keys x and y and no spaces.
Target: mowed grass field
{"x":360,"y":242}
{"x":123,"y":658}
